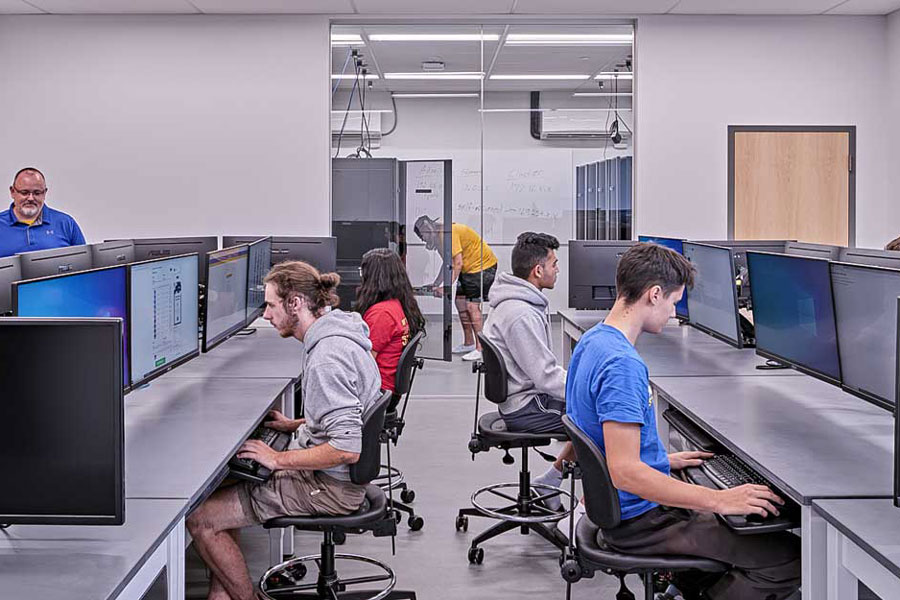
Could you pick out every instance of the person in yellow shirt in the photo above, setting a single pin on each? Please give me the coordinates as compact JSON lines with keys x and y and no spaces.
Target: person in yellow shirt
{"x":474,"y":267}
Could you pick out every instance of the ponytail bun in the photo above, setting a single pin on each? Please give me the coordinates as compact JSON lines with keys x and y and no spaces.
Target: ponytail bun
{"x":328,"y":282}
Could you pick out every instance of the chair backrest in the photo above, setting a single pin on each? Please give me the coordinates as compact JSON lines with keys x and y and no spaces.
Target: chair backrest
{"x":405,"y":366}
{"x":366,"y":468}
{"x":495,"y":376}
{"x":601,"y":499}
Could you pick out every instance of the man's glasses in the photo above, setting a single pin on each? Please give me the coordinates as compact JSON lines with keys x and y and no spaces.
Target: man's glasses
{"x":35,"y":193}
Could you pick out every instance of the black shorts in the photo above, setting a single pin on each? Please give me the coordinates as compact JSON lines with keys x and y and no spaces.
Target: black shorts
{"x":542,"y":414}
{"x":469,"y":284}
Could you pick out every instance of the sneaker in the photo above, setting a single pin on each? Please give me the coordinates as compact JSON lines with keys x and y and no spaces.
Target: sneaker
{"x":463,"y":348}
{"x":473,"y":355}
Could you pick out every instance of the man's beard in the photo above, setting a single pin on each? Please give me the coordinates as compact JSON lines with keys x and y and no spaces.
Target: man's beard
{"x":30,"y":210}
{"x":288,"y":329}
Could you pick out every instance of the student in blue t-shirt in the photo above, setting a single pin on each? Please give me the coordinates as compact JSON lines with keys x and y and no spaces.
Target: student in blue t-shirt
{"x":29,"y":224}
{"x":608,"y":396}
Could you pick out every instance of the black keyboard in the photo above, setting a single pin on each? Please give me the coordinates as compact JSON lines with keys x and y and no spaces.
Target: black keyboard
{"x":728,"y":471}
{"x":245,"y":468}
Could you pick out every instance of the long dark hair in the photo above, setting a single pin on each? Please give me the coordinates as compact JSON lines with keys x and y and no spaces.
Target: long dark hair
{"x":384,"y":278}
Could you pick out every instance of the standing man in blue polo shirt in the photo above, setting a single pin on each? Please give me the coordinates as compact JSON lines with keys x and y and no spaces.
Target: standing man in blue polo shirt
{"x":31,"y":225}
{"x":608,"y":396}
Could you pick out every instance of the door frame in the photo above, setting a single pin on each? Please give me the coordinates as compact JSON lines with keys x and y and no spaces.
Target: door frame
{"x":848,"y":129}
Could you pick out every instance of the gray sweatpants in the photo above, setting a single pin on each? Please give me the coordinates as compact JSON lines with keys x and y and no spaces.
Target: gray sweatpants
{"x":766,"y":566}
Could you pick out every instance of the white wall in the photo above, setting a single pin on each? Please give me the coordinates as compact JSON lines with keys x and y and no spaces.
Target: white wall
{"x":177,"y":125}
{"x":893,"y":120}
{"x":697,"y":75}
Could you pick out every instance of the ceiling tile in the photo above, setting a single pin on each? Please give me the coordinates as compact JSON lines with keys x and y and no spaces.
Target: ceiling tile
{"x":420,"y":7}
{"x":594,"y":7}
{"x":72,"y":7}
{"x":753,"y":7}
{"x":866,"y":7}
{"x":274,"y":6}
{"x":17,"y":7}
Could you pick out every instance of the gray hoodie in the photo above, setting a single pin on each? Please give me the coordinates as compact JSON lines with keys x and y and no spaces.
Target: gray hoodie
{"x":519,"y":325}
{"x":340,"y":381}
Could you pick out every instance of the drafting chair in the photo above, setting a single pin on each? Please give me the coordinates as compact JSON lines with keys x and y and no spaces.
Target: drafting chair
{"x":589,"y":553}
{"x":526,"y":510}
{"x":286,"y":579}
{"x":393,"y":428}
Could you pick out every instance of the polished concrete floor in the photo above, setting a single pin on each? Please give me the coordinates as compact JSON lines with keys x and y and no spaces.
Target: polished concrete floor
{"x":433,"y":453}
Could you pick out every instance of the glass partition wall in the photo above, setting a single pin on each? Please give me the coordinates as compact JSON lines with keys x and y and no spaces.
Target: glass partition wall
{"x":496,"y":128}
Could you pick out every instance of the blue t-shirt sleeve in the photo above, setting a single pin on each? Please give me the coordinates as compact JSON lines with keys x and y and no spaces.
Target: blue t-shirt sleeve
{"x":623,"y":392}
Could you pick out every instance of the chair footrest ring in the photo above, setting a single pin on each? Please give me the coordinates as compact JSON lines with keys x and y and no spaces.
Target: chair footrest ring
{"x":290,"y":579}
{"x":394,"y":476}
{"x":538,"y":513}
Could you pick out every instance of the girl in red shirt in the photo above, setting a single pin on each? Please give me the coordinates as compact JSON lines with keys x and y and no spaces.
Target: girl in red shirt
{"x":385,"y":300}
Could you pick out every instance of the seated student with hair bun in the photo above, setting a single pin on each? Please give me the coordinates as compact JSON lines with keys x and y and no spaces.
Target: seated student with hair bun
{"x":386,"y":302}
{"x":340,"y":382}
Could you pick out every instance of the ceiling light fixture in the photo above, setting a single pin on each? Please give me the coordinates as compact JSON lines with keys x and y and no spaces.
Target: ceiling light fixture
{"x":346,"y":39}
{"x":602,"y":94}
{"x":612,"y":76}
{"x":437,"y":95}
{"x":453,"y":75}
{"x":353,"y":76}
{"x":553,"y":39}
{"x":537,"y":77}
{"x":434,"y":37}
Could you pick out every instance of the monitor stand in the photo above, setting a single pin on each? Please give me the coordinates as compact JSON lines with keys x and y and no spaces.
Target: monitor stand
{"x":772,"y":365}
{"x":247,"y":331}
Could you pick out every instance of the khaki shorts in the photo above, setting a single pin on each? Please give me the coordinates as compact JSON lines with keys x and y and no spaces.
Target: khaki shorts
{"x":299,"y":493}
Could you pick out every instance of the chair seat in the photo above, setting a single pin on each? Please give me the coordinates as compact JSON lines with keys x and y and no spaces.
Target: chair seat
{"x":492,"y":429}
{"x":373,"y":509}
{"x":599,"y":555}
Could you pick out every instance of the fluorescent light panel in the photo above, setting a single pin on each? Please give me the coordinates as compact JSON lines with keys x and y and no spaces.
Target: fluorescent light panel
{"x":460,"y":75}
{"x":434,"y":37}
{"x":353,"y":76}
{"x":438,"y":95}
{"x":612,"y":76}
{"x":601,"y":94}
{"x":346,"y":39}
{"x":573,"y":77}
{"x":553,"y":39}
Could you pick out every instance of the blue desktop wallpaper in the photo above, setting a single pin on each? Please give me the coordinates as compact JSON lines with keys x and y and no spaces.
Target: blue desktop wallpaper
{"x":793,"y":310}
{"x":681,"y":309}
{"x":89,"y":294}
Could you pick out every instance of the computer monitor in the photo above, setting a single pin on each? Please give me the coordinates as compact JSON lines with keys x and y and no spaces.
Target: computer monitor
{"x":825,"y":251}
{"x":44,"y":263}
{"x":865,"y":309}
{"x":259,"y":261}
{"x":149,"y":248}
{"x":320,"y":252}
{"x":739,"y":250}
{"x":108,"y":254}
{"x":9,"y":272}
{"x":226,"y":295}
{"x":793,"y":313}
{"x":592,"y":272}
{"x":713,"y":304}
{"x":95,"y":293}
{"x":870,"y":256}
{"x":62,"y":452}
{"x":164,"y":315}
{"x":681,"y":309}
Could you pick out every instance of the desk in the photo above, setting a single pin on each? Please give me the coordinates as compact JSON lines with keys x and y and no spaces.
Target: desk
{"x":809,"y":438}
{"x":69,"y":562}
{"x":574,"y":324}
{"x":863,"y":545}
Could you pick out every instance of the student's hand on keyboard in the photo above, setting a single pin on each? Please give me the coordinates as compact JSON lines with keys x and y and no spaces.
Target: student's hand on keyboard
{"x":682,"y":460}
{"x":260,"y":452}
{"x":277,"y":421}
{"x":748,"y":499}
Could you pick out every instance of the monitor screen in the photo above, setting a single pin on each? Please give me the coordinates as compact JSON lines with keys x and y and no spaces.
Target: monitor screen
{"x":62,"y":448}
{"x":259,"y":260}
{"x":226,"y":294}
{"x":164,"y":315}
{"x":592,"y":272}
{"x":682,"y":311}
{"x":97,"y":293}
{"x":713,"y":300}
{"x":793,"y":312}
{"x":865,"y":306}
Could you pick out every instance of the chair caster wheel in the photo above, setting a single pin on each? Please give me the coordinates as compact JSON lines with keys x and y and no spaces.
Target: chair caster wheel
{"x":570,"y":571}
{"x":339,"y":537}
{"x":407,"y":496}
{"x":476,"y":556}
{"x":416,"y":523}
{"x":462,"y":523}
{"x":288,"y":577}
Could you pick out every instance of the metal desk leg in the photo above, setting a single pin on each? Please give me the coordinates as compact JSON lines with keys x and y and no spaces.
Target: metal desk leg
{"x":175,"y":553}
{"x":814,"y":548}
{"x":570,"y":334}
{"x":281,"y":541}
{"x":842,"y":585}
{"x":168,"y":555}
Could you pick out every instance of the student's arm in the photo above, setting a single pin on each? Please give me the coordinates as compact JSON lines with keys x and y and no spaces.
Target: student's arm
{"x":456,"y":260}
{"x":623,"y":456}
{"x":319,"y":457}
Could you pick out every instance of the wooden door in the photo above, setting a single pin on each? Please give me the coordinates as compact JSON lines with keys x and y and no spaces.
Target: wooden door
{"x":792,"y":183}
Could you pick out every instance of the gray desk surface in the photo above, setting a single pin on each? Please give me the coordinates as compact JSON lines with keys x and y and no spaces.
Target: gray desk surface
{"x":69,"y":562}
{"x":180,"y":433}
{"x":263,"y":354}
{"x":583,"y":319}
{"x":809,"y":438}
{"x":874,"y":525}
